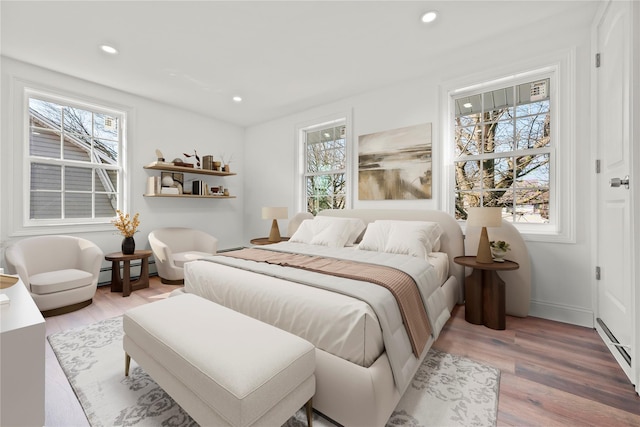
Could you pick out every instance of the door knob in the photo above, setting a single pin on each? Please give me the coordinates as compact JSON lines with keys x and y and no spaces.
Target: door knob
{"x":617,"y":182}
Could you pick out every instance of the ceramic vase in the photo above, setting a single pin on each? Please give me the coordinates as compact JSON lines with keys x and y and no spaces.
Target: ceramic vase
{"x":128,"y":246}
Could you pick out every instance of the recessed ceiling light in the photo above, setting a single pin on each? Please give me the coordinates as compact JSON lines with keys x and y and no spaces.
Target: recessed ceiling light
{"x":237,"y":99}
{"x":467,"y":105}
{"x":109,"y":49}
{"x":429,"y":16}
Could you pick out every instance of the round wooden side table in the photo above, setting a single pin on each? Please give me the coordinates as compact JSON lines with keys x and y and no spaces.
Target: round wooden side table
{"x":265,"y":241}
{"x":484,"y":290}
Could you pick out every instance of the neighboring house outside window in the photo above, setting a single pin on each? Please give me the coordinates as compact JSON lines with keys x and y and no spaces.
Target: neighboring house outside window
{"x":324,"y":159}
{"x":504,"y":149}
{"x":75,"y":166}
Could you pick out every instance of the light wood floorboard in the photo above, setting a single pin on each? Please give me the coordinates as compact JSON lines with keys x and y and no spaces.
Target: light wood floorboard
{"x":552,"y":373}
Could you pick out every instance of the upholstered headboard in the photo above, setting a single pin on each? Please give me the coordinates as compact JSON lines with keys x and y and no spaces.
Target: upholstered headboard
{"x":452,"y":242}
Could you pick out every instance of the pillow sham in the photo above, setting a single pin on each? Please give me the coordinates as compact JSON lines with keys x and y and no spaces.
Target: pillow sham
{"x":356,"y":227}
{"x":329,"y":231}
{"x":415,"y":238}
{"x":304,"y":233}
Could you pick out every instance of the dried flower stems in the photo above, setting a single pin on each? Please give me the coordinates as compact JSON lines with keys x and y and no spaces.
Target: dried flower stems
{"x":125,"y":224}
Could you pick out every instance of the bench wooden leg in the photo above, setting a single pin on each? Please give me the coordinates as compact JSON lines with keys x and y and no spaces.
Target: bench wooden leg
{"x":309,"y":408}
{"x":127,"y":363}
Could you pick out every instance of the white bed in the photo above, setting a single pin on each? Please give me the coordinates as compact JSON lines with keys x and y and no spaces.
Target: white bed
{"x":363,"y":358}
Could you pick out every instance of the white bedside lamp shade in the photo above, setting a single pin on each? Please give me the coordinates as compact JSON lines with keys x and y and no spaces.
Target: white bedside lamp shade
{"x":484,"y":217}
{"x":274,"y":214}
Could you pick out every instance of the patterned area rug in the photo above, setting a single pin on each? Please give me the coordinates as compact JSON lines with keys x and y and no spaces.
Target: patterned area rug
{"x":447,"y":390}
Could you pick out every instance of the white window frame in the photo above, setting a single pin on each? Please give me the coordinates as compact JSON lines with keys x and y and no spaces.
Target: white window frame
{"x":561,"y":70}
{"x":300,"y":201}
{"x":55,"y":225}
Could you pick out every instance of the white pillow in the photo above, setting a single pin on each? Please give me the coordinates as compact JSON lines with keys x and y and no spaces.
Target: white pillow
{"x":355,"y":226}
{"x":304,"y":233}
{"x":415,"y":238}
{"x":375,"y":238}
{"x":328,"y":231}
{"x":333,"y":234}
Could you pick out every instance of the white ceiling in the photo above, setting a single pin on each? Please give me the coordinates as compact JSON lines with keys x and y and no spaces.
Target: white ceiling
{"x":280,"y":56}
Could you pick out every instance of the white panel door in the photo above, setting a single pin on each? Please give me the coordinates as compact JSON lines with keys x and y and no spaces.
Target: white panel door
{"x":615,"y":294}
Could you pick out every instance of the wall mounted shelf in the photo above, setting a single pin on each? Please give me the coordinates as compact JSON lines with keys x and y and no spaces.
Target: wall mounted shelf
{"x":169,"y":167}
{"x":195,"y":196}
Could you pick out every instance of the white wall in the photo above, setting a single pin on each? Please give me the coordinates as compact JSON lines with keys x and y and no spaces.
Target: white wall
{"x":264,"y":156}
{"x":151,"y":125}
{"x":561,"y":272}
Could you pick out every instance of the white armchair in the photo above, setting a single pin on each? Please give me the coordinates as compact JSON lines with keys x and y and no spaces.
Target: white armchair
{"x":60,"y":272}
{"x":174,"y":246}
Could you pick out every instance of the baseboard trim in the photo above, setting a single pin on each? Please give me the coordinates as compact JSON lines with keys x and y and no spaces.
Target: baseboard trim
{"x":562,"y":313}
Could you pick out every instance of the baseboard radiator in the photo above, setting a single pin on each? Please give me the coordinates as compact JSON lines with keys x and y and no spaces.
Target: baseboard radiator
{"x":623,"y":352}
{"x":105,"y":272}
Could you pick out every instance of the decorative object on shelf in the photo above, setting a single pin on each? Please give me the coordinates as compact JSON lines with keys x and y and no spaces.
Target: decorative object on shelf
{"x":170,"y":190}
{"x":207,"y":162}
{"x":160,"y":156}
{"x":217,"y":166}
{"x":172,"y":180}
{"x":178,"y":162}
{"x":167,"y":179}
{"x":274,"y":214}
{"x":484,"y":217}
{"x":226,"y":163}
{"x":499,"y":249}
{"x":218,"y":190}
{"x":195,"y":154}
{"x":153,"y":185}
{"x":127,"y":226}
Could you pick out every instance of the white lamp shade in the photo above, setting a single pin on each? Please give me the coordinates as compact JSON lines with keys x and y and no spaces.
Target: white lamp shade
{"x":484,"y":217}
{"x":275,"y":213}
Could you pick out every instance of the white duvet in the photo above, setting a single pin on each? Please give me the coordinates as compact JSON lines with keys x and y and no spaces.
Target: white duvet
{"x":339,"y":324}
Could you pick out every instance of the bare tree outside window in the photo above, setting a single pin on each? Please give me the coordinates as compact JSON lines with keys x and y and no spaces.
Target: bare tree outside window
{"x":74,"y":161}
{"x":503,"y":151}
{"x":325,"y":154}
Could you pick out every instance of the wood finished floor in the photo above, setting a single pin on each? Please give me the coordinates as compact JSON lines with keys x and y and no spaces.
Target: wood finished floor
{"x":553,"y":374}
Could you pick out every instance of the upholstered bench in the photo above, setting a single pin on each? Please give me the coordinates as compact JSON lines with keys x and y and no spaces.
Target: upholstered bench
{"x":222,"y":367}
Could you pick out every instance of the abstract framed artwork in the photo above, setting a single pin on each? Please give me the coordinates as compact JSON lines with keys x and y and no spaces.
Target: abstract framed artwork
{"x":395,"y":164}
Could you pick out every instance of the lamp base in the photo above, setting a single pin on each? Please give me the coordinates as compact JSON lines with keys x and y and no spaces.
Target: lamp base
{"x":484,"y":250}
{"x":274,"y":235}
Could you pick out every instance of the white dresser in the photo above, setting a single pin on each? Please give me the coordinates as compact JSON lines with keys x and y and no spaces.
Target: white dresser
{"x":22,"y":358}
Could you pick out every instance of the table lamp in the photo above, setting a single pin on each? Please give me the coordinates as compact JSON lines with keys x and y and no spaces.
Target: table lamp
{"x":274,"y":214}
{"x":484,"y":217}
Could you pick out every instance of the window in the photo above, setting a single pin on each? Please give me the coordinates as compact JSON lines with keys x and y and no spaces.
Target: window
{"x":75,"y":172}
{"x":323,"y":159}
{"x":504,"y":149}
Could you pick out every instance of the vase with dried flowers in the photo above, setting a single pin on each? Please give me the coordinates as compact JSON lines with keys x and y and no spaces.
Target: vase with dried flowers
{"x":127,"y":226}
